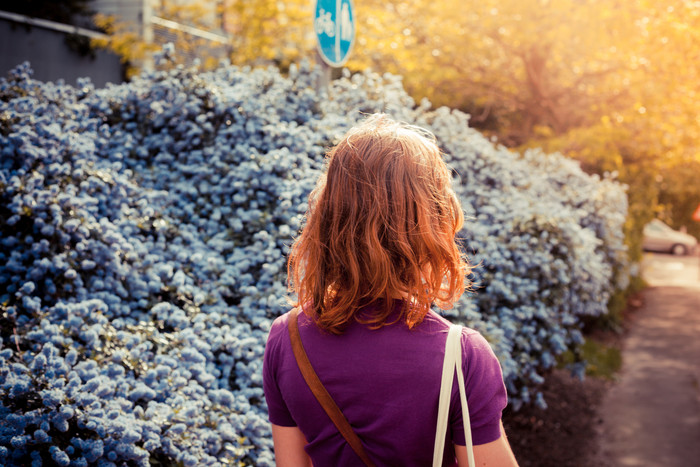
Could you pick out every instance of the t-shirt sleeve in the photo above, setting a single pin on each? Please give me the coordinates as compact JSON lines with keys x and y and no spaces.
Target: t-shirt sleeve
{"x":486,"y":392}
{"x":278,"y":413}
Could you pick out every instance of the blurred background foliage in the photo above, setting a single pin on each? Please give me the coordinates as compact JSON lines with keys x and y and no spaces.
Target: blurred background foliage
{"x":611,"y":83}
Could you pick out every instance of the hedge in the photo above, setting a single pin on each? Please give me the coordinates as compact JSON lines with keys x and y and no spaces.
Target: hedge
{"x":143,"y":233}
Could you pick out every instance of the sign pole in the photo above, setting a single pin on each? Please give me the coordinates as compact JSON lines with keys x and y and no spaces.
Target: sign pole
{"x":147,"y":32}
{"x":324,"y":78}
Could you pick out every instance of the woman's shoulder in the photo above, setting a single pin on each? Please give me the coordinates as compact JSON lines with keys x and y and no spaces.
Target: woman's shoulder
{"x":281,"y":321}
{"x":436,"y":322}
{"x":471,"y":338}
{"x":278,"y":330}
{"x":280,"y":326}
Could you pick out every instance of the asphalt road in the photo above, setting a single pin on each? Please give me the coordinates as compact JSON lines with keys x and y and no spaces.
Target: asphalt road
{"x":651,"y":415}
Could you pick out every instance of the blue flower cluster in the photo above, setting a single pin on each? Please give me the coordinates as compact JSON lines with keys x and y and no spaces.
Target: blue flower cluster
{"x":143,"y":235}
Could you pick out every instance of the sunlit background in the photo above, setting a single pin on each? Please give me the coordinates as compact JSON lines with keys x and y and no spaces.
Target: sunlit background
{"x":613,"y":84}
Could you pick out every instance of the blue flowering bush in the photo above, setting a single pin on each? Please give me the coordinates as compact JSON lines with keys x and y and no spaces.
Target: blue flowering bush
{"x":143,"y":236}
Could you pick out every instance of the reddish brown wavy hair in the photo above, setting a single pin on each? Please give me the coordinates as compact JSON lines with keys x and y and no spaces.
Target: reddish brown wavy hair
{"x":381,"y":227}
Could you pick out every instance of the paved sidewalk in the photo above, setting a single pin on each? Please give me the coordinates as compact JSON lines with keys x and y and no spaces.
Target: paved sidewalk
{"x":651,"y":416}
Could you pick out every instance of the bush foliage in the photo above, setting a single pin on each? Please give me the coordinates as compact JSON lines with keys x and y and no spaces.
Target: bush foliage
{"x":143,"y":233}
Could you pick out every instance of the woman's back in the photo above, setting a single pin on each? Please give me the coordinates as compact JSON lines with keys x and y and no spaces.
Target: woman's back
{"x":380,"y":229}
{"x":386,"y":382}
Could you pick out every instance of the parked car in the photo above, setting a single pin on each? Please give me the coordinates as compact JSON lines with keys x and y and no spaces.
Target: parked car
{"x":660,"y":237}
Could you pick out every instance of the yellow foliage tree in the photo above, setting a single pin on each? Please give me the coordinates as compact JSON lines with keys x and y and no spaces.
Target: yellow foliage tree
{"x":611,"y":83}
{"x":261,"y":32}
{"x":124,"y":41}
{"x":523,"y":69}
{"x":269,"y":31}
{"x":127,"y":40}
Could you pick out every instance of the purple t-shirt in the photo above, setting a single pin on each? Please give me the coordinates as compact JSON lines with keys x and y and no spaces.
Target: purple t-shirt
{"x":386,"y":381}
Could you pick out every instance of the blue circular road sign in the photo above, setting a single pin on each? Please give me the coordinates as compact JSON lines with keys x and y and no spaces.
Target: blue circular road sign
{"x":334,"y":25}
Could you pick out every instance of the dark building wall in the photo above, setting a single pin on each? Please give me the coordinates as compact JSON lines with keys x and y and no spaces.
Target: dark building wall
{"x":52,"y":58}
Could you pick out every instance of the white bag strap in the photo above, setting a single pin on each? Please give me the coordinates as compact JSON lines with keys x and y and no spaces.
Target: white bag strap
{"x":452,"y":363}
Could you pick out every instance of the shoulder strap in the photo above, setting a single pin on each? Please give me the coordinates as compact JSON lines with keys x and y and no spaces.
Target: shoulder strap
{"x":320,"y":392}
{"x":457,"y":349}
{"x":452,"y":363}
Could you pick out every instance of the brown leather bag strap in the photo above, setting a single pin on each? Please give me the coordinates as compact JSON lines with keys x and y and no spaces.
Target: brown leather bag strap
{"x":325,"y":399}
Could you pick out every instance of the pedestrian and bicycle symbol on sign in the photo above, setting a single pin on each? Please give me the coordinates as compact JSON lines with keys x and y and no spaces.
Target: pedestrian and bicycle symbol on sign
{"x":334,"y":25}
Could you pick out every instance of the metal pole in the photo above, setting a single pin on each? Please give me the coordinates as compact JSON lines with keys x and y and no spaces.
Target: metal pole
{"x":147,"y":31}
{"x":324,"y":79}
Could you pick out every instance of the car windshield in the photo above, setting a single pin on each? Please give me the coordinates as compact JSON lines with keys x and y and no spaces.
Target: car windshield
{"x":658,"y":226}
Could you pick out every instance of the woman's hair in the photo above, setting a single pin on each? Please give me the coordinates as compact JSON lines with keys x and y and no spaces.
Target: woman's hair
{"x":380,"y":227}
